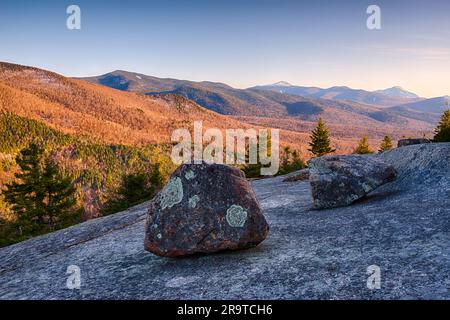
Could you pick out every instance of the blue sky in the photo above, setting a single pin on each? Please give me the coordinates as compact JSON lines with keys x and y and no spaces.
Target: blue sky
{"x":242,"y":43}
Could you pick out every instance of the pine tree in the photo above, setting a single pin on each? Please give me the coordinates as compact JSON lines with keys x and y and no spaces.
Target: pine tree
{"x":42,"y":199}
{"x":285,"y":159}
{"x":290,"y":161}
{"x":156,"y":177}
{"x":253,"y":170}
{"x":136,"y":188}
{"x":24,"y":197}
{"x":443,"y":129}
{"x":320,"y":140}
{"x":363,"y":146}
{"x":60,"y":197}
{"x":386,"y":144}
{"x":297,"y":163}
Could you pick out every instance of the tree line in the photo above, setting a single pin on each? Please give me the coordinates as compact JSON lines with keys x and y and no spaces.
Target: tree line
{"x":320,"y":144}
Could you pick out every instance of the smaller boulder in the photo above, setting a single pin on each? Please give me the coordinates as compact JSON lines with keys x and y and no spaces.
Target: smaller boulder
{"x":204,"y":209}
{"x":410,"y":142}
{"x":340,"y":180}
{"x":300,"y":175}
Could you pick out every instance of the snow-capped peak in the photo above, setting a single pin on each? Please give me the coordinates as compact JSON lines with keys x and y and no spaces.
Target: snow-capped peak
{"x":282,"y":84}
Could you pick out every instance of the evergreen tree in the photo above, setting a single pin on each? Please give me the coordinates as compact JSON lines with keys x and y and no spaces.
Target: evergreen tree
{"x":443,"y":129}
{"x":285,"y":159}
{"x":41,"y":198}
{"x":296,"y":163}
{"x":386,"y":144}
{"x":24,"y":197}
{"x":254,"y":170}
{"x":135,"y":188}
{"x":59,"y":198}
{"x":156,"y":177}
{"x":320,"y":140}
{"x":363,"y":146}
{"x":290,"y":161}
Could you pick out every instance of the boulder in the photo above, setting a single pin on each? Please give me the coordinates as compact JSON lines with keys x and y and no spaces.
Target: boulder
{"x":204,"y":208}
{"x":410,"y":142}
{"x":300,"y":175}
{"x":340,"y":180}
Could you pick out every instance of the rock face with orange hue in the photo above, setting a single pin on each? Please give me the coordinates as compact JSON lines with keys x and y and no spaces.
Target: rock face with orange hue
{"x":204,"y":209}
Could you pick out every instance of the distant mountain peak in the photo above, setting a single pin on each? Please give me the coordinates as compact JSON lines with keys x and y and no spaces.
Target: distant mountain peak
{"x":397,"y":91}
{"x":282,"y":84}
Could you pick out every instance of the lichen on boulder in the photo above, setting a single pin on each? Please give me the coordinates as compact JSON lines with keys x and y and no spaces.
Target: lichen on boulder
{"x":236,"y":216}
{"x":204,"y":208}
{"x":172,"y":193}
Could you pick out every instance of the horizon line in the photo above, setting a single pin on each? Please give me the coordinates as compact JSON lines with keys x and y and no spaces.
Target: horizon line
{"x":234,"y":86}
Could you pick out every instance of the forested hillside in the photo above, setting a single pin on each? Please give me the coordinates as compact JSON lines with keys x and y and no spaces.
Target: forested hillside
{"x":97,"y":169}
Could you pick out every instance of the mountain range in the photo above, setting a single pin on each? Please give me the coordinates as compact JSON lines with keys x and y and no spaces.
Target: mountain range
{"x":79,"y":107}
{"x":338,"y":105}
{"x":129,"y":81}
{"x":147,"y":109}
{"x":381,"y":98}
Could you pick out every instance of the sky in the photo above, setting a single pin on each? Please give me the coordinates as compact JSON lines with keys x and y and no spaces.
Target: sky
{"x":241,"y":43}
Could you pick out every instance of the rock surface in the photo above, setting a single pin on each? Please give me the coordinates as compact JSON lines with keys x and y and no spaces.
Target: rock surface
{"x":204,"y":209}
{"x":403,"y":227}
{"x":338,"y":181}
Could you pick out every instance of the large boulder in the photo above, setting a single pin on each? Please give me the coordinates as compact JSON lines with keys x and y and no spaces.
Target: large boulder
{"x":410,"y":142}
{"x":204,"y":209}
{"x":340,"y":180}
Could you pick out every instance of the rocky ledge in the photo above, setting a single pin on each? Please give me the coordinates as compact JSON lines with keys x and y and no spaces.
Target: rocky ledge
{"x":403,"y":227}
